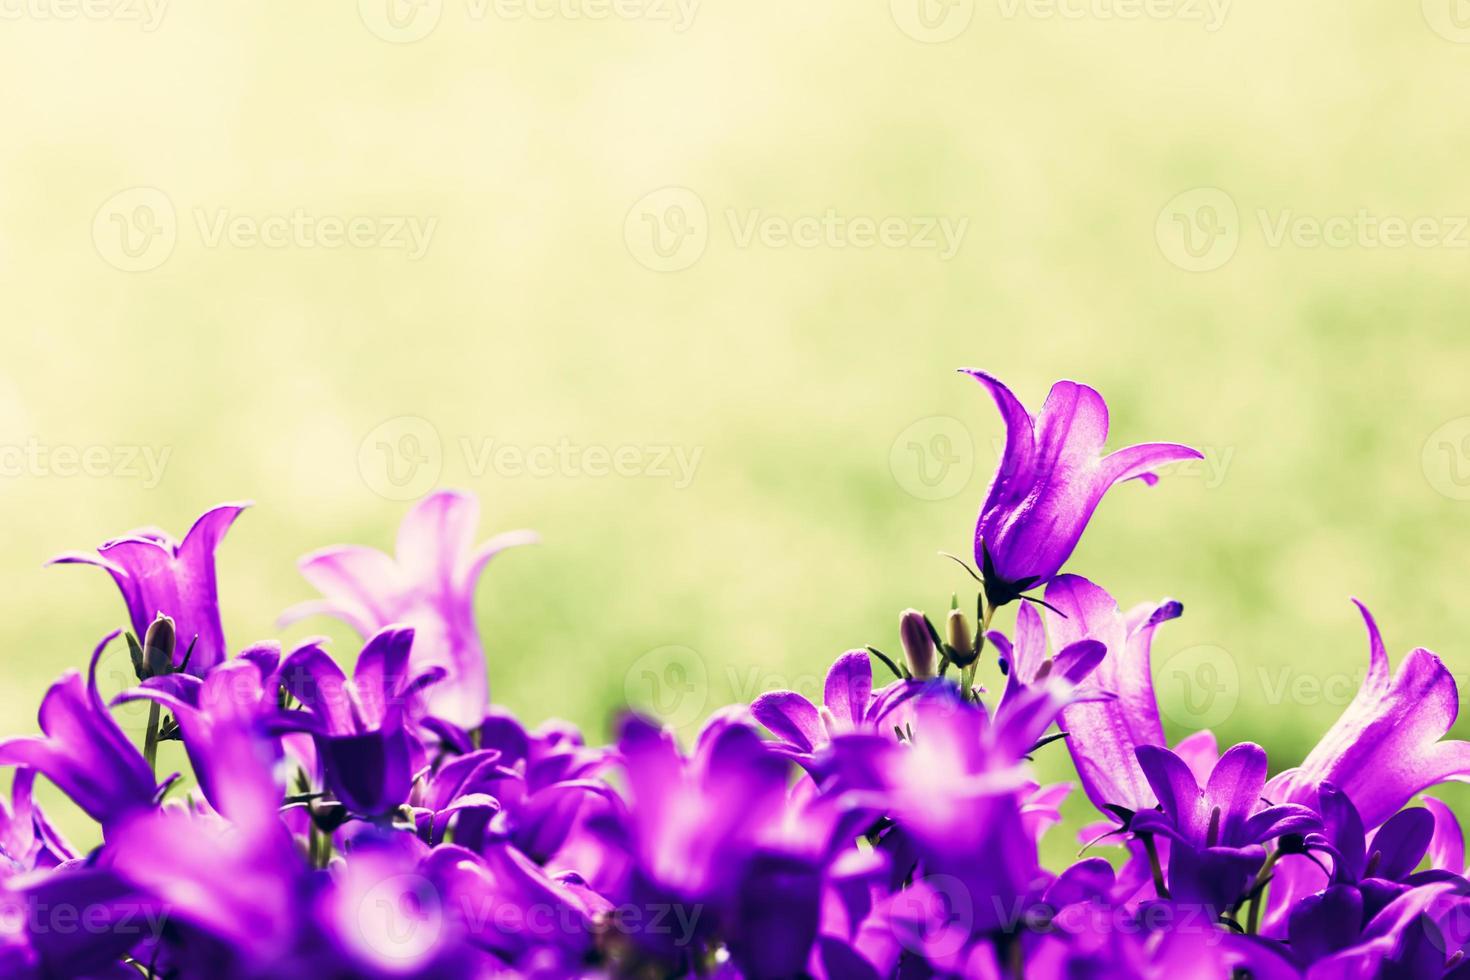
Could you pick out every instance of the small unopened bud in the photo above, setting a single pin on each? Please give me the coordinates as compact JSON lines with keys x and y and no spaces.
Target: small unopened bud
{"x":158,"y":649}
{"x":960,"y":641}
{"x":919,"y":651}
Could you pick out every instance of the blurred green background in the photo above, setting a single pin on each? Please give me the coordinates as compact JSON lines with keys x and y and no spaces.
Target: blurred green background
{"x":716,"y":230}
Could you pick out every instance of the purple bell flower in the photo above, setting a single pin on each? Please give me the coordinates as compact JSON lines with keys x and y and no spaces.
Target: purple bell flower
{"x":1216,"y":831}
{"x":1051,"y":478}
{"x":849,"y":704}
{"x":429,"y":585}
{"x":160,"y":576}
{"x":360,"y":726}
{"x":1104,"y":735}
{"x":1387,"y":744}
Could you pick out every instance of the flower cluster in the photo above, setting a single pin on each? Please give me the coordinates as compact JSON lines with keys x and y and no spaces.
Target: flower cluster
{"x":392,"y":822}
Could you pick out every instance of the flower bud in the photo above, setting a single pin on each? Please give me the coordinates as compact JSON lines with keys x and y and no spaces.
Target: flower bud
{"x":919,"y":651}
{"x":959,"y":639}
{"x":157,"y":655}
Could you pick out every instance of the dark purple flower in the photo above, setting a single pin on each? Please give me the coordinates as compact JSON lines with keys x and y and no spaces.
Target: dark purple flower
{"x":359,"y":726}
{"x":1051,"y":478}
{"x":1386,"y":745}
{"x":160,"y":576}
{"x":83,"y":751}
{"x":1418,"y":936}
{"x":429,"y":585}
{"x":1217,"y":831}
{"x":1367,"y":873}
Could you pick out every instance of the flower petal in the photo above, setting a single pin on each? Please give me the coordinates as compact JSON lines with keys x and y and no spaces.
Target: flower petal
{"x":1105,"y":734}
{"x":1385,"y":747}
{"x":849,"y":687}
{"x":791,"y":718}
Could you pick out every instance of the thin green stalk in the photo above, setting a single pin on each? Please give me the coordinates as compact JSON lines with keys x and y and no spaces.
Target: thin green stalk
{"x":1258,"y":892}
{"x":150,"y":740}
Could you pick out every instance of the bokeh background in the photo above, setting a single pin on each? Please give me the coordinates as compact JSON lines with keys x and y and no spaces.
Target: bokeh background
{"x":328,"y":256}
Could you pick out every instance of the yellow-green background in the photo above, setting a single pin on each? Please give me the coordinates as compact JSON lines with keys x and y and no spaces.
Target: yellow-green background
{"x":1323,"y":372}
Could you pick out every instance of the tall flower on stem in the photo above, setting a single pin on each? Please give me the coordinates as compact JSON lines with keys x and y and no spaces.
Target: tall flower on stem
{"x":160,"y":576}
{"x":429,"y":585}
{"x":1052,"y":476}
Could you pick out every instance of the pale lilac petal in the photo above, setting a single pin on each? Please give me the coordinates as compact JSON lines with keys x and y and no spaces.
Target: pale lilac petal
{"x":470,"y":574}
{"x":435,"y":538}
{"x":362,"y":581}
{"x":325,"y":607}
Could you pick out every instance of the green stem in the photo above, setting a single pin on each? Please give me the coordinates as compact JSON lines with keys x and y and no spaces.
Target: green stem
{"x":1258,"y":892}
{"x":150,"y":740}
